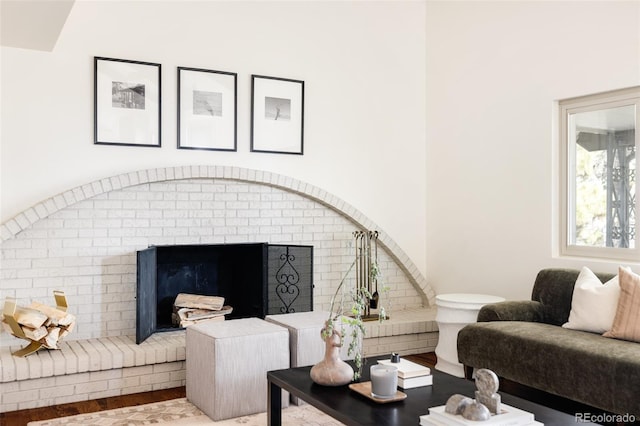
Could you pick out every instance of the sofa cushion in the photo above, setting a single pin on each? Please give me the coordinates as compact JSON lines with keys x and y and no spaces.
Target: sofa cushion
{"x":581,"y":366}
{"x":553,"y":288}
{"x":594,"y":304}
{"x":626,"y":324}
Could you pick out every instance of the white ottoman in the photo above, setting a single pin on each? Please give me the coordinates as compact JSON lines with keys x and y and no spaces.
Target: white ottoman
{"x":306,"y":345}
{"x":454,"y":312}
{"x":227,"y":364}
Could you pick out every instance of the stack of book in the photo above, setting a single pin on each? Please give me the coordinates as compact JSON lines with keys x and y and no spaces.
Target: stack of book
{"x":508,"y":416}
{"x":410,"y":374}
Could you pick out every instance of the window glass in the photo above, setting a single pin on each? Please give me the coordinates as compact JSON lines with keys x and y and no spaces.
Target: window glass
{"x":600,"y":153}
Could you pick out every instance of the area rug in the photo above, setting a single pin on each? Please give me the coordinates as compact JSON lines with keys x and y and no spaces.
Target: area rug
{"x":181,"y":412}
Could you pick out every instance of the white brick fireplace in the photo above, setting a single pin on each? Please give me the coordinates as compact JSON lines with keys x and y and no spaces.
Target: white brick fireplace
{"x":84,"y":242}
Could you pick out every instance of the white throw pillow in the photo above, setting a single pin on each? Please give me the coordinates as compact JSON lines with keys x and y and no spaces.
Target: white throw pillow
{"x":594,"y":305}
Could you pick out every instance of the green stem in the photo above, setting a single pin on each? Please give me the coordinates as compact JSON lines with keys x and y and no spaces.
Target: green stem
{"x":333,"y":299}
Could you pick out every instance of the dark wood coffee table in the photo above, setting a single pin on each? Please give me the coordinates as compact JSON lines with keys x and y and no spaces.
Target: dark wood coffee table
{"x":351,"y":408}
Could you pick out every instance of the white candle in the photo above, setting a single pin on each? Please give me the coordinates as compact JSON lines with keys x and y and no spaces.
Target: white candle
{"x":384,"y":380}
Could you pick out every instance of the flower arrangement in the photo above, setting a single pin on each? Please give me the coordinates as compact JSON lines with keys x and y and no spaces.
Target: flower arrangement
{"x":354,"y":309}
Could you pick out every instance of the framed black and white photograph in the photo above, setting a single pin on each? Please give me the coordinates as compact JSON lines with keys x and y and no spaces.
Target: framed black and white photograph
{"x":207,"y":109}
{"x":277,"y":115}
{"x":127,"y":102}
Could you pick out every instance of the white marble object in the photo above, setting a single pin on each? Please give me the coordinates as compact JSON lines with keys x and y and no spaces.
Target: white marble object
{"x":487,"y":383}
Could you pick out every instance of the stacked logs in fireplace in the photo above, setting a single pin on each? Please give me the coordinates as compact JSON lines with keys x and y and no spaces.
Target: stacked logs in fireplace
{"x":189,"y":309}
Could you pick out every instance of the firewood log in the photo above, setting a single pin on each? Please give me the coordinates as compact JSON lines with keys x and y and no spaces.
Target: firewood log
{"x":50,"y":341}
{"x":68,"y":329}
{"x":34,"y":333}
{"x":195,"y":314}
{"x":187,"y":323}
{"x":185,"y":300}
{"x":56,"y":316}
{"x":30,"y":317}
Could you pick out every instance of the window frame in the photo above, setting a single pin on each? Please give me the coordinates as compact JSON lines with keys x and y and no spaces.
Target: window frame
{"x":599,"y":101}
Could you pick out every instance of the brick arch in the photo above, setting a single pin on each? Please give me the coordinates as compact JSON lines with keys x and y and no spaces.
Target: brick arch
{"x":25,"y":219}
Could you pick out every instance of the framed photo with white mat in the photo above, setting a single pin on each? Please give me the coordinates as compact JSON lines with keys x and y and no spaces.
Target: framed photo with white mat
{"x":207,"y":109}
{"x":277,"y":115}
{"x":127,"y":96}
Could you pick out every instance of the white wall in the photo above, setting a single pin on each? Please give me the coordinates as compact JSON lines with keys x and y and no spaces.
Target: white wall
{"x":494,"y":70}
{"x":363,"y":64}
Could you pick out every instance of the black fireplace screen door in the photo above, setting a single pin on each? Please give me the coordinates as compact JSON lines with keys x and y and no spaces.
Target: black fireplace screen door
{"x":256,"y":279}
{"x":146,"y":294}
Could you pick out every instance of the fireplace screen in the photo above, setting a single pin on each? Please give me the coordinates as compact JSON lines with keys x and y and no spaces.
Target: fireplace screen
{"x":289,"y":279}
{"x":255,"y":279}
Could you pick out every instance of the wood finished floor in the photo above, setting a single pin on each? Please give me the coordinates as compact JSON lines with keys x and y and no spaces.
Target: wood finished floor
{"x":22,"y":417}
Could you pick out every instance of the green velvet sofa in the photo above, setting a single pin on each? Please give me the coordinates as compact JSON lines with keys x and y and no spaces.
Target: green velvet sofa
{"x":524,"y":341}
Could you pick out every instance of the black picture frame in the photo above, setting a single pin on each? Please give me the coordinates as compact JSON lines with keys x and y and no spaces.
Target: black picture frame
{"x":127,"y":102}
{"x":207,"y":109}
{"x":277,"y":115}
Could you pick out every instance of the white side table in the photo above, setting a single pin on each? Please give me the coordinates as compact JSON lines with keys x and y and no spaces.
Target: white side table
{"x":454,"y":312}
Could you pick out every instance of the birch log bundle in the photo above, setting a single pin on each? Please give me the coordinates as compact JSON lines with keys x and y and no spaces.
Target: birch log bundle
{"x":38,"y":323}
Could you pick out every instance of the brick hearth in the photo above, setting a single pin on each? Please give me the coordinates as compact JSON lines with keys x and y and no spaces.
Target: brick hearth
{"x":96,"y":368}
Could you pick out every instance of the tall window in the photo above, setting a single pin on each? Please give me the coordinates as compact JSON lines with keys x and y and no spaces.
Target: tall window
{"x":599,"y":191}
